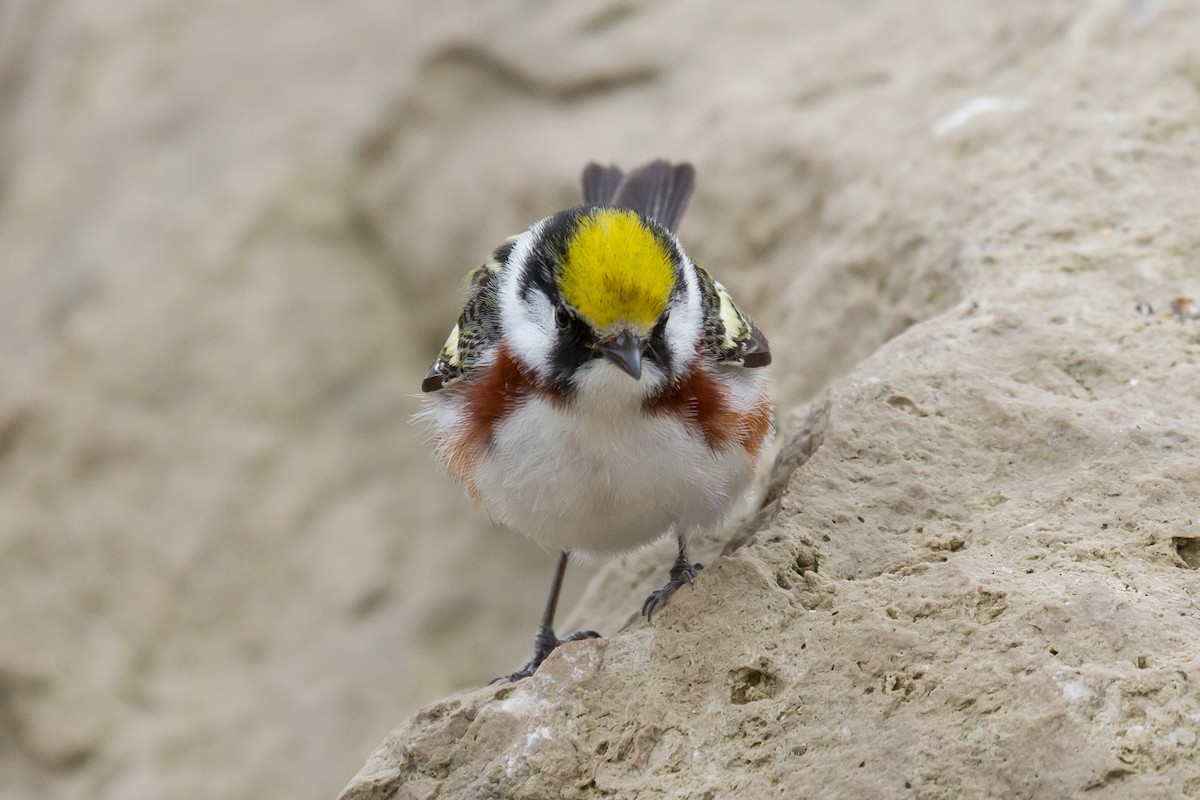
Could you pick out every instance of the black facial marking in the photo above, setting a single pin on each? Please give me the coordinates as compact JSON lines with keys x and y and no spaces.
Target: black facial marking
{"x":575,"y":342}
{"x":548,"y":252}
{"x":657,"y":351}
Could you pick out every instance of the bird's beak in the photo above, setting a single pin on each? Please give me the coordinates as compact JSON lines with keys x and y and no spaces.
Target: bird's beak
{"x":626,"y":352}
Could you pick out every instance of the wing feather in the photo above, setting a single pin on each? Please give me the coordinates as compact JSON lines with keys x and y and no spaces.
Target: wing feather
{"x":478,"y":328}
{"x":729,"y":335}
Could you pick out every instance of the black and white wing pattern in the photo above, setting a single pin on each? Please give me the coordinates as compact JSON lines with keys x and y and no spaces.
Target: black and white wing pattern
{"x":478,"y":328}
{"x":729,"y":335}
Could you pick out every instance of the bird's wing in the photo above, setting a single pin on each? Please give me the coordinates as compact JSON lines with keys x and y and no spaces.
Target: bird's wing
{"x":478,"y":328}
{"x":729,"y":335}
{"x":659,"y":190}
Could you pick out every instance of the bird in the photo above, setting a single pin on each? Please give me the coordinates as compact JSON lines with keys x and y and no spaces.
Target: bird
{"x":600,"y":391}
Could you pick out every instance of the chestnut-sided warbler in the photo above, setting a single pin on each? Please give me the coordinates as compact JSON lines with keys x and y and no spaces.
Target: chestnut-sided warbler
{"x":600,"y":390}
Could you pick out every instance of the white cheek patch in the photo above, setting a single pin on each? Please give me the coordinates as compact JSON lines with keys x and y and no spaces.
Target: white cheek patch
{"x":529,"y":340}
{"x":524,"y":321}
{"x":684,"y":325}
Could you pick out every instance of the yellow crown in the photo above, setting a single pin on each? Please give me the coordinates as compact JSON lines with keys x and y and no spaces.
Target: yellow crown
{"x":616,"y":270}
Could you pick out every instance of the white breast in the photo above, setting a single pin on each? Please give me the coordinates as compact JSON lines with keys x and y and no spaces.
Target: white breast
{"x":601,"y":477}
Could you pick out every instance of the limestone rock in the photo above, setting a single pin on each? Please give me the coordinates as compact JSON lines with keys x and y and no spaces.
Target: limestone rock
{"x":230,"y":236}
{"x":974,"y":574}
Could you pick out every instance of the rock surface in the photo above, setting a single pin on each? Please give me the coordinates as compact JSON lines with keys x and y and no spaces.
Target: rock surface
{"x":229,"y":239}
{"x":975,"y":574}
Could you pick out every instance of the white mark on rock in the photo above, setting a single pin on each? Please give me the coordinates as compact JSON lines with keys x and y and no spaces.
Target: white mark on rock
{"x":539,"y":734}
{"x":519,"y":704}
{"x":576,"y":672}
{"x":1073,"y":689}
{"x":516,"y":755}
{"x":984,"y":104}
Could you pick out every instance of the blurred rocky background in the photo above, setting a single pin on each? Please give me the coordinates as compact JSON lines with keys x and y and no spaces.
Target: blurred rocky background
{"x":231,"y":236}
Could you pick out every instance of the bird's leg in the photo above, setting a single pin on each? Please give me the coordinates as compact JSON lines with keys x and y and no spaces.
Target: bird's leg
{"x":682,"y":572}
{"x":546,"y":640}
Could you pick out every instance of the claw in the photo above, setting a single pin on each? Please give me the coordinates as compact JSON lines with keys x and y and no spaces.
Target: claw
{"x":545,"y":643}
{"x":682,"y":574}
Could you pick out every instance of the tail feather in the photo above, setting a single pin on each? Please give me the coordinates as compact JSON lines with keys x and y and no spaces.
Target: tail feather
{"x":600,"y":184}
{"x":658,"y":190}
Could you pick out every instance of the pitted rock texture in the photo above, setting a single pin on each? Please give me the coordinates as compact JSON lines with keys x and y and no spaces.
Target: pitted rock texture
{"x":230,"y":237}
{"x":974,"y":572}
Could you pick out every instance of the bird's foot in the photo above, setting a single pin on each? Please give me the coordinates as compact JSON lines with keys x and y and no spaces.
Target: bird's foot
{"x":681,"y":574}
{"x":543,"y":645}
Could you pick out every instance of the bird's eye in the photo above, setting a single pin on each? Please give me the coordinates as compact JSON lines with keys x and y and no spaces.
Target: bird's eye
{"x":562,"y":318}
